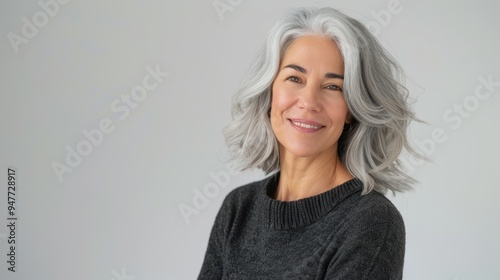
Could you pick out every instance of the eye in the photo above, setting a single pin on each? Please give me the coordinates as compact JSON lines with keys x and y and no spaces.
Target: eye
{"x":334,"y":88}
{"x":293,"y":79}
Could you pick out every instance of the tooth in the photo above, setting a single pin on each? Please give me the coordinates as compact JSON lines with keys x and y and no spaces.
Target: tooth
{"x":305,"y":125}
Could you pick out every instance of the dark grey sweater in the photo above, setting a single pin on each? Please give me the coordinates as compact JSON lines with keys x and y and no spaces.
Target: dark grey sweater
{"x":338,"y":234}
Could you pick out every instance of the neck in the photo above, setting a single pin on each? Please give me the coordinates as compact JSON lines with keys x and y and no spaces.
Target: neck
{"x":302,"y":177}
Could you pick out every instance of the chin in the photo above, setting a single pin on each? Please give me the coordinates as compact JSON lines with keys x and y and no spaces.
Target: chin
{"x":307,"y":148}
{"x":301,"y":150}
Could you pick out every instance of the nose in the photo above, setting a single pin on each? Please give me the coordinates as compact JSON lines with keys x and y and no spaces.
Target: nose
{"x":309,"y":99}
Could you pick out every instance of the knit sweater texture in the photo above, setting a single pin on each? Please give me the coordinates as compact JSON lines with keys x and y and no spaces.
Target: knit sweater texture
{"x":338,"y":234}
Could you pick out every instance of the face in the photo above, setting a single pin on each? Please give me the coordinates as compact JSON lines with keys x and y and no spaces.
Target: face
{"x":308,"y":110}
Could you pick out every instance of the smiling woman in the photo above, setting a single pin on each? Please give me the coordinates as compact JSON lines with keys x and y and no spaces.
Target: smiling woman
{"x":308,"y":113}
{"x":324,"y":111}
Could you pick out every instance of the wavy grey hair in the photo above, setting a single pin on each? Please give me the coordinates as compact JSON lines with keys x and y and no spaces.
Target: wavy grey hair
{"x":373,"y":90}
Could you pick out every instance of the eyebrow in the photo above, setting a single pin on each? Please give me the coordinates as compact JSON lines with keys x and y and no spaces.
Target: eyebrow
{"x":304,"y":71}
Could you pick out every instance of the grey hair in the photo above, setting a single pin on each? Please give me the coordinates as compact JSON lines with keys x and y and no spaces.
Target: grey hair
{"x":373,"y":89}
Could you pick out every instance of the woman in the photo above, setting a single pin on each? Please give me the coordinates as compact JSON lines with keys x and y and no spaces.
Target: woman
{"x":323,"y":111}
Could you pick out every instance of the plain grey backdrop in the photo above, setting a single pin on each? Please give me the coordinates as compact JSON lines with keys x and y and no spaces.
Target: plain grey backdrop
{"x":112,"y":111}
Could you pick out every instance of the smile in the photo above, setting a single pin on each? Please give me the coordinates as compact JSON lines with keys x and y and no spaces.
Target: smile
{"x":306,"y":126}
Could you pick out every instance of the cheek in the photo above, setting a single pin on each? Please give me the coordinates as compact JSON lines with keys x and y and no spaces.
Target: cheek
{"x":281,"y":100}
{"x":337,"y":112}
{"x":343,"y":111}
{"x":340,"y":108}
{"x":275,"y":99}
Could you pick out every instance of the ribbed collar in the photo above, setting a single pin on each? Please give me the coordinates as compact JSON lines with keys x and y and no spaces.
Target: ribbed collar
{"x":283,"y":215}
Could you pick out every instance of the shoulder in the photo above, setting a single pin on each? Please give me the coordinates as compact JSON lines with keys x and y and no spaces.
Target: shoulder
{"x":367,"y":214}
{"x":378,"y":208}
{"x":371,"y":240}
{"x":373,"y":214}
{"x":246,"y":194}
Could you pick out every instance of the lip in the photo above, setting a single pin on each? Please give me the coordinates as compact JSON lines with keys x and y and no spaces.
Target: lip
{"x":306,"y":129}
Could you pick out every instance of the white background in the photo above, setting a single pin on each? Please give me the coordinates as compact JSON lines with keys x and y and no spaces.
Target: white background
{"x":116,"y":214}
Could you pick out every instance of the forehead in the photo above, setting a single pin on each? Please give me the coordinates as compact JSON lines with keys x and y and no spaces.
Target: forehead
{"x":314,"y":51}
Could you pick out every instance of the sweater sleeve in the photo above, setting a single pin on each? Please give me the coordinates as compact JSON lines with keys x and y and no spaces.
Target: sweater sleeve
{"x":212,"y":267}
{"x":373,"y":246}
